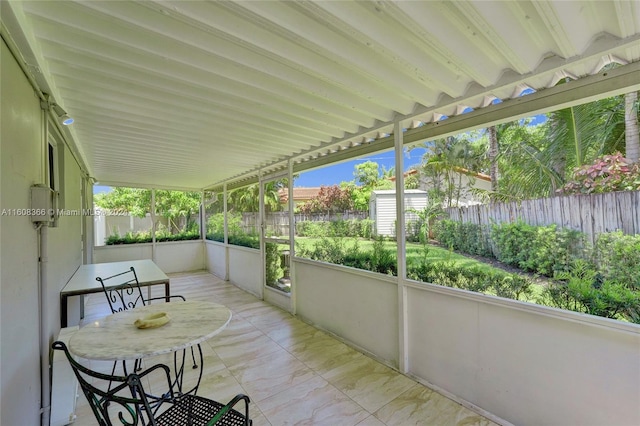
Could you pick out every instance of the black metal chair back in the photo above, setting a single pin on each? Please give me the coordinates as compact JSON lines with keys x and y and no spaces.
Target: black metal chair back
{"x":124,"y":401}
{"x":122,"y":290}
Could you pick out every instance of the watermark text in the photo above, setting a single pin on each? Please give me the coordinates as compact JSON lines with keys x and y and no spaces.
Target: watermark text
{"x":64,"y":212}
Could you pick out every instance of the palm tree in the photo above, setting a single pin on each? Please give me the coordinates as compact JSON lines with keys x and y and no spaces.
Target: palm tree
{"x":632,"y":134}
{"x":247,"y":199}
{"x":445,"y":162}
{"x":581,"y":133}
{"x":524,"y":172}
{"x":493,"y":157}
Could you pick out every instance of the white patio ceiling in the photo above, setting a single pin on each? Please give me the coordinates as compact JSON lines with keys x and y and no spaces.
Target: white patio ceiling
{"x":190,"y":94}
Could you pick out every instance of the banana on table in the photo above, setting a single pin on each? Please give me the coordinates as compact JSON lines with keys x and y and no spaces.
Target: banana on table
{"x":152,"y":321}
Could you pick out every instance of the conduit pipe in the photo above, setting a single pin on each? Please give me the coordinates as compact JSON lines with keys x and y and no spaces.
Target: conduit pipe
{"x":45,"y":361}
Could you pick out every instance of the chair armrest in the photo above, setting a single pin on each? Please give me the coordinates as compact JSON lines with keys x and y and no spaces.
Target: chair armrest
{"x":167,"y":374}
{"x":164,"y":298}
{"x":224,"y":410}
{"x":157,"y":400}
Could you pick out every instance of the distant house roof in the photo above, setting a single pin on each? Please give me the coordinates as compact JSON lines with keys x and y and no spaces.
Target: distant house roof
{"x":474,"y":174}
{"x":299,"y":194}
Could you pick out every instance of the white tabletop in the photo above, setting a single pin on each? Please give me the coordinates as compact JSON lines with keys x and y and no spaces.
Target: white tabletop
{"x":84,"y":280}
{"x":115,"y":337}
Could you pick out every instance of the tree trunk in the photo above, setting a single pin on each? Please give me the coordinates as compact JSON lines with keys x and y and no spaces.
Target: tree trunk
{"x":631,"y":133}
{"x":493,"y":154}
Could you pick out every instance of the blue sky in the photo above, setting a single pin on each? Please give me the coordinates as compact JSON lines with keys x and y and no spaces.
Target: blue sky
{"x":334,"y":174}
{"x":337,"y":173}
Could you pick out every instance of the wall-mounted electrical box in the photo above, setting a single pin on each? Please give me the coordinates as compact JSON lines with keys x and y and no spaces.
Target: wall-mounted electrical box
{"x":43,"y":205}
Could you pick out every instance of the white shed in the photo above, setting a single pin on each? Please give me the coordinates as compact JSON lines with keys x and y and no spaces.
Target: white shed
{"x":382,"y":208}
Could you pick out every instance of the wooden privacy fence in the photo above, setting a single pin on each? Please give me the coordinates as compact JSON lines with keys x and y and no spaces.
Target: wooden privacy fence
{"x":277,"y":223}
{"x":591,"y":214}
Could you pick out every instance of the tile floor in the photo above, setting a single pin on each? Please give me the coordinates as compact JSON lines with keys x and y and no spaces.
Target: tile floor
{"x":294,"y":373}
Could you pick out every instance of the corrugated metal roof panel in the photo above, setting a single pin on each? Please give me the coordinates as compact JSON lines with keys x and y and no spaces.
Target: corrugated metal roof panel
{"x":188,"y":94}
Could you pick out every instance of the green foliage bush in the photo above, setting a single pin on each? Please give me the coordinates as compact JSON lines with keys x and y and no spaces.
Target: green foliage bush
{"x":450,"y":274}
{"x":245,"y":240}
{"x":513,"y":242}
{"x":310,"y":228}
{"x":145,"y":237}
{"x":331,"y":250}
{"x":273,"y":263}
{"x":337,"y":250}
{"x":464,"y":237}
{"x":215,"y":225}
{"x":362,"y":228}
{"x":617,"y":257}
{"x":583,"y":289}
{"x":237,"y":236}
{"x":415,"y":231}
{"x":216,"y":236}
{"x":380,"y":259}
{"x":543,"y":250}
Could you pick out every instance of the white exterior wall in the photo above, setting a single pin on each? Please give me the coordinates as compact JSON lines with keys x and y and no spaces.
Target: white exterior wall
{"x":527,"y":364}
{"x":122,"y":252}
{"x":216,"y":258}
{"x":180,"y":256}
{"x":170,"y":256}
{"x":23,"y":162}
{"x":245,"y":269}
{"x":358,"y":306}
{"x":278,"y":298}
{"x":465,"y":183}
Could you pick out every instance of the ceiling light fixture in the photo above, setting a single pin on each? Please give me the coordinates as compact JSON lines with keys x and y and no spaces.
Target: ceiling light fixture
{"x":60,"y":112}
{"x":66,"y":120}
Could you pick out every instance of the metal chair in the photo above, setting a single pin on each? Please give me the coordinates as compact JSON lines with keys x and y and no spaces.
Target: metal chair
{"x":128,"y":403}
{"x":123,"y":292}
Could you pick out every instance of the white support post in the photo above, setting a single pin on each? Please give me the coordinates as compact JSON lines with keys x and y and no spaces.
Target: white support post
{"x":263,"y":250}
{"x":226,"y":232}
{"x":203,"y":218}
{"x":292,"y":235}
{"x":153,"y":233}
{"x":403,"y":359}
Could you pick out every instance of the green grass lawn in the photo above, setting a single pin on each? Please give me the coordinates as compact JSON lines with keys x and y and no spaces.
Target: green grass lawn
{"x":415,"y":253}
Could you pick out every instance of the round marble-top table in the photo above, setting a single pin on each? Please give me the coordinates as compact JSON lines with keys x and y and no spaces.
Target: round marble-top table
{"x":115,"y":337}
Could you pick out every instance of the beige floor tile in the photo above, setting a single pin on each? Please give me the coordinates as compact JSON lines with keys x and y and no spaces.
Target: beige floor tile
{"x":244,"y":348}
{"x":369,"y":383}
{"x":269,"y":374}
{"x":371,"y":421}
{"x":323,"y":353}
{"x":313,"y":402}
{"x":261,"y":420}
{"x":289,"y":332}
{"x":422,"y":406}
{"x":264,"y":316}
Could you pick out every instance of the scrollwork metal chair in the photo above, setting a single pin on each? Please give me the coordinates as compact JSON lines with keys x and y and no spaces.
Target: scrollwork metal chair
{"x":129,"y":403}
{"x":123,"y":293}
